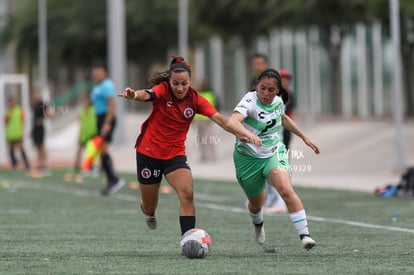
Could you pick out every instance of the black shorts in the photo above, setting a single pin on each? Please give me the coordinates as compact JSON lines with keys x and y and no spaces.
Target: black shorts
{"x":100,"y":121}
{"x":38,"y":135}
{"x":150,"y":170}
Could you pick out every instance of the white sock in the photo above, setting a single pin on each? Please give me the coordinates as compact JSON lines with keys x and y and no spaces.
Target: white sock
{"x":258,"y":217}
{"x":300,"y":222}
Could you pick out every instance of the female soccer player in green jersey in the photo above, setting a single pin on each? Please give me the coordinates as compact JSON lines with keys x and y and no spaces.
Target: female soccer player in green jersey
{"x":263,"y":157}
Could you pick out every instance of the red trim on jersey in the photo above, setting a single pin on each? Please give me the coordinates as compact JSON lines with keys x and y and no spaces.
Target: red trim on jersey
{"x":164,"y":132}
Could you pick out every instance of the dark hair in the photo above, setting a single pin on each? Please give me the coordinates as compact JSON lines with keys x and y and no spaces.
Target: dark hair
{"x":99,"y":64}
{"x":177,"y":65}
{"x":260,"y":55}
{"x":272,"y":73}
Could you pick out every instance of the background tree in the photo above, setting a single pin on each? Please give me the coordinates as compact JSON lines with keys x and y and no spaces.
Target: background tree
{"x":152,"y":31}
{"x":243,"y":18}
{"x":407,"y":45}
{"x":77,"y":32}
{"x":251,"y":19}
{"x":76,"y":35}
{"x":407,"y":52}
{"x":335,"y":20}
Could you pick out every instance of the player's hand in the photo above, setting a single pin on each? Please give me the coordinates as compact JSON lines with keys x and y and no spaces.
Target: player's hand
{"x":312,"y":145}
{"x":128,"y":93}
{"x":106,"y":128}
{"x":256,"y":140}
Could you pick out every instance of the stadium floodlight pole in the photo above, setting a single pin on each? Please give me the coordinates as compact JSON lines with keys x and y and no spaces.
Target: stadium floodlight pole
{"x":183,"y":28}
{"x":397,"y":83}
{"x":117,"y":58}
{"x":43,"y":70}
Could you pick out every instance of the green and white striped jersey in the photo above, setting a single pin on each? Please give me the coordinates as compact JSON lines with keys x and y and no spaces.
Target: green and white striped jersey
{"x":264,"y":121}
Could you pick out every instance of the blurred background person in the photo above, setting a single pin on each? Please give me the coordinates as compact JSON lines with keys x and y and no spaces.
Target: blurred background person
{"x":103,"y":100}
{"x":14,"y":120}
{"x":259,"y":63}
{"x":204,"y":126}
{"x":40,"y":112}
{"x":87,"y":129}
{"x":290,"y":105}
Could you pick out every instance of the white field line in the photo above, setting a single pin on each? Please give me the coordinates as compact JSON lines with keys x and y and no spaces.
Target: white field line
{"x":220,"y":207}
{"x":361,"y":224}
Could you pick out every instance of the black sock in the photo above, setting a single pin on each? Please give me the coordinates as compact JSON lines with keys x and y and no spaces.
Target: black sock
{"x":303,"y":236}
{"x":13,"y":158}
{"x":108,"y":168}
{"x":259,"y":224}
{"x":187,"y":223}
{"x":26,"y":161}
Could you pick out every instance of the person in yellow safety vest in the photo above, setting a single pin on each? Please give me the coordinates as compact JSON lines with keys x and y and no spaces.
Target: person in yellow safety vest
{"x":14,"y":120}
{"x":88,"y":129}
{"x":205,"y":139}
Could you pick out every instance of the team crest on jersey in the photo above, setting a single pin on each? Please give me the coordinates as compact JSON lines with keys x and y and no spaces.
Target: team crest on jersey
{"x":146,"y":173}
{"x":278,"y":111}
{"x":188,"y":112}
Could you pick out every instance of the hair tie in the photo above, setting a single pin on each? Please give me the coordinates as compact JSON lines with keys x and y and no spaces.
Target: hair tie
{"x":180,"y":60}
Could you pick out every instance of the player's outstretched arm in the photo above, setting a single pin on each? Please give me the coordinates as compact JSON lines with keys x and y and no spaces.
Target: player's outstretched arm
{"x":234,"y":126}
{"x":138,"y":95}
{"x":222,"y":121}
{"x":290,"y":125}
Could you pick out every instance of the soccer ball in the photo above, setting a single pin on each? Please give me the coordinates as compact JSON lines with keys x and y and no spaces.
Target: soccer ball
{"x":195,"y":243}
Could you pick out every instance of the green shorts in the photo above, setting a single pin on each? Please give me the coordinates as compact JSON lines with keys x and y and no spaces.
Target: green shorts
{"x":252,"y":172}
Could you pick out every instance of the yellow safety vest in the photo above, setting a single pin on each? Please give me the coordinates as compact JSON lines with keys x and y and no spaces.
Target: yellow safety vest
{"x":14,"y":125}
{"x":211,"y":97}
{"x":88,"y":124}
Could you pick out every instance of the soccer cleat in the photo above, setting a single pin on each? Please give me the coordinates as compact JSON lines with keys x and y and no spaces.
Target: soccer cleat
{"x":112,"y":188}
{"x":151,"y":220}
{"x":278,"y":207}
{"x":259,"y":233}
{"x":308,"y":242}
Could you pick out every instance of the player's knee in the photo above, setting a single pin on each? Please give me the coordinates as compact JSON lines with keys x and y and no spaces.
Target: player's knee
{"x":286,"y":193}
{"x":254,"y":207}
{"x":186,"y":195}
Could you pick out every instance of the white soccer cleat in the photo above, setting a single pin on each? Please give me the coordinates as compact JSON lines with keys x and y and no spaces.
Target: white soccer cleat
{"x":259,"y":233}
{"x":112,"y":187}
{"x":116,"y":187}
{"x":151,"y":220}
{"x":308,"y":242}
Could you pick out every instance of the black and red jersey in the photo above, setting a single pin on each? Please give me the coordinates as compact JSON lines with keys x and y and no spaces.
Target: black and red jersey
{"x":164,"y":132}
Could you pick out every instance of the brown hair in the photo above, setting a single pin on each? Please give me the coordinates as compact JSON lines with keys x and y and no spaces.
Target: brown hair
{"x":177,"y":65}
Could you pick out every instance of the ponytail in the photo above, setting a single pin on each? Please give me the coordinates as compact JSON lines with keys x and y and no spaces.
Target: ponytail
{"x":177,"y":65}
